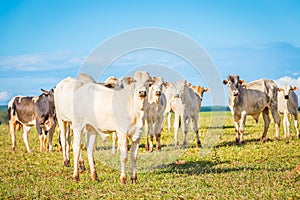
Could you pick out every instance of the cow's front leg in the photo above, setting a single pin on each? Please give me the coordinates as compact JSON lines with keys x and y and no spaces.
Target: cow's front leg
{"x":134,"y":154}
{"x":286,"y":125}
{"x":176,"y":127}
{"x":184,"y":128}
{"x":122,"y":140}
{"x":237,"y":133}
{"x":242,"y":126}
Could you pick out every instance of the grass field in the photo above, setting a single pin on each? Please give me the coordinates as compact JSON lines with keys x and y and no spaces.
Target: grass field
{"x":225,"y":171}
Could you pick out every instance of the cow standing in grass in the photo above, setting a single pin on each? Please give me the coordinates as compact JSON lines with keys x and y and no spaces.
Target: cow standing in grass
{"x":106,"y":110}
{"x":36,"y":111}
{"x":186,"y":105}
{"x":155,"y":112}
{"x":288,"y":105}
{"x":63,"y":97}
{"x":252,"y":99}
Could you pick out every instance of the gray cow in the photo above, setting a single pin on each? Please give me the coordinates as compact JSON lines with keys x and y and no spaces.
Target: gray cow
{"x":252,"y":99}
{"x":288,"y":105}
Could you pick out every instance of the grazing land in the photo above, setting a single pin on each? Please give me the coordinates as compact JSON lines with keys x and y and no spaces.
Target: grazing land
{"x":226,"y":171}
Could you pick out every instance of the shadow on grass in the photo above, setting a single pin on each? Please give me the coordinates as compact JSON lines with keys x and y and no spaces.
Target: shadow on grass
{"x":208,"y":167}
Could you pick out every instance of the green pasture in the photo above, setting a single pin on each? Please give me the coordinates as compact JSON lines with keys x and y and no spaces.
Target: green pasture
{"x":220,"y":170}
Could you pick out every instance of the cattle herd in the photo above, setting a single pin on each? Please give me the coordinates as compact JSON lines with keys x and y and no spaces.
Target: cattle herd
{"x":124,"y":106}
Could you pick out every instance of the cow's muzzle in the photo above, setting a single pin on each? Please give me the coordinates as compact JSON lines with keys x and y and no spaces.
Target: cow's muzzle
{"x":286,"y":96}
{"x":142,"y":93}
{"x":158,"y":93}
{"x":235,"y":93}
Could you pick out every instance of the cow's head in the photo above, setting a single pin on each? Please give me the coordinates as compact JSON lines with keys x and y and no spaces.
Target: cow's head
{"x":140,"y":82}
{"x":181,"y":89}
{"x":200,"y":90}
{"x":49,"y":97}
{"x":156,"y":87}
{"x":113,"y":82}
{"x":234,"y":84}
{"x":287,"y":90}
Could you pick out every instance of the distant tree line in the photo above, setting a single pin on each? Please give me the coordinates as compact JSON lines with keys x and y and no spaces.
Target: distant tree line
{"x":3,"y":117}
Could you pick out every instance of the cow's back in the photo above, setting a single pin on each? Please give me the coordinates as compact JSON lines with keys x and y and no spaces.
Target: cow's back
{"x":265,"y":86}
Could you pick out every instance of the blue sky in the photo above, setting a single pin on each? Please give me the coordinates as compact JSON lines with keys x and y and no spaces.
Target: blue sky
{"x":43,"y":42}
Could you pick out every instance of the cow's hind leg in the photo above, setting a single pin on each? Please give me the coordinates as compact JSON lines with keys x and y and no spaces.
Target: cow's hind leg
{"x":90,"y":142}
{"x":26,"y":130}
{"x":296,"y":124}
{"x":12,"y":130}
{"x":195,"y":121}
{"x":276,"y":117}
{"x":266,"y":118}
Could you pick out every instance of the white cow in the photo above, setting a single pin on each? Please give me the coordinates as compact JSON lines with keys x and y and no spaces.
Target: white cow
{"x":288,"y":105}
{"x":108,"y":110}
{"x":63,"y":98}
{"x":155,"y":112}
{"x":186,"y":105}
{"x":257,"y":97}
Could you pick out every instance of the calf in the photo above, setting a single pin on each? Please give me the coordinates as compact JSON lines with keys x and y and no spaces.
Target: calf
{"x":288,"y":105}
{"x":36,"y":111}
{"x":155,"y":112}
{"x":186,"y":105}
{"x":252,"y":99}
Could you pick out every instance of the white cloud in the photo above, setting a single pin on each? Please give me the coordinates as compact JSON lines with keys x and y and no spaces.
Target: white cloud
{"x":289,"y":80}
{"x":4,"y":96}
{"x":40,"y":62}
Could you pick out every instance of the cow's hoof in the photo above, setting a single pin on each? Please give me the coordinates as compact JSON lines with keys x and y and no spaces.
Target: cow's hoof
{"x":81,"y":166}
{"x":76,"y":178}
{"x":263,"y":140}
{"x":237,"y":140}
{"x":242,"y":142}
{"x":94,"y":176}
{"x":123,"y":180}
{"x":134,"y":180}
{"x":199,"y":144}
{"x":67,"y":163}
{"x":277,"y":138}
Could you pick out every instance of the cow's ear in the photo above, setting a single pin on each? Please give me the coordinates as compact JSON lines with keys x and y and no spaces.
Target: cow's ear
{"x":206,"y":89}
{"x":225,"y":82}
{"x":243,"y":82}
{"x":190,"y":84}
{"x":45,"y":91}
{"x":150,"y":83}
{"x":129,"y":80}
{"x":279,"y":89}
{"x":295,"y":88}
{"x":109,"y":85}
